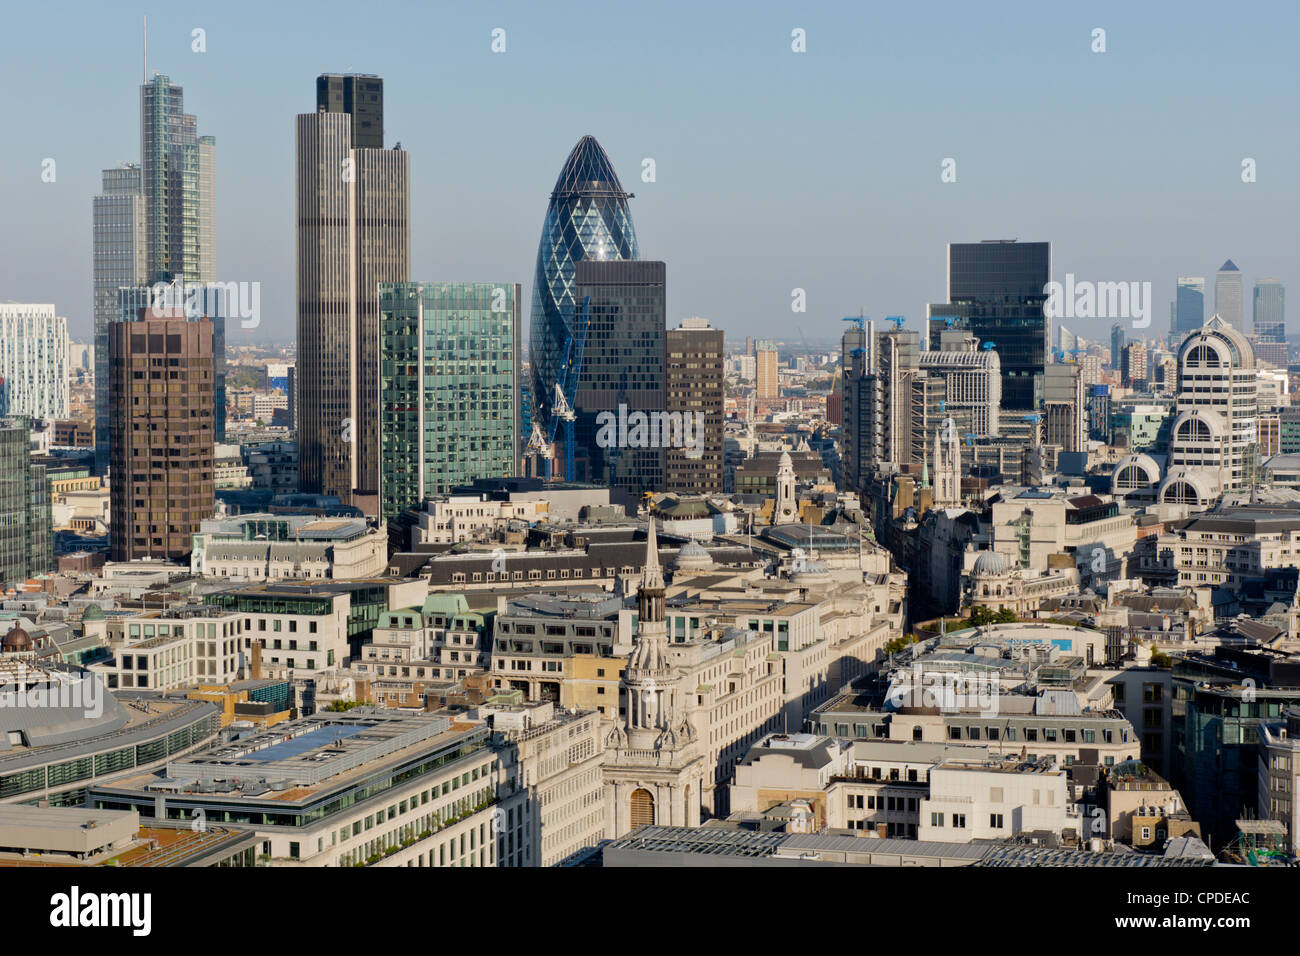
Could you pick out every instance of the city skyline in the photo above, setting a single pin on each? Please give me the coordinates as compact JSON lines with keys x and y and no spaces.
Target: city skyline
{"x":729,"y":145}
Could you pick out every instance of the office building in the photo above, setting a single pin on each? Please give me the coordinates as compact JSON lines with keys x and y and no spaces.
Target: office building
{"x":1270,"y":322}
{"x":696,"y":387}
{"x":448,"y":388}
{"x":1065,"y":414}
{"x":972,"y":379}
{"x":1133,"y":366}
{"x":438,"y":795}
{"x":857,"y":409}
{"x":622,"y":371}
{"x":1213,"y":437}
{"x":587,"y":218}
{"x":153,"y":222}
{"x":767,"y":372}
{"x":26,"y":535}
{"x":1229,"y":295}
{"x":1189,"y":306}
{"x":996,"y":292}
{"x":161,"y":380}
{"x":119,"y":261}
{"x":177,"y":180}
{"x":353,"y":206}
{"x":33,"y":362}
{"x":362,"y":98}
{"x":1116,"y":345}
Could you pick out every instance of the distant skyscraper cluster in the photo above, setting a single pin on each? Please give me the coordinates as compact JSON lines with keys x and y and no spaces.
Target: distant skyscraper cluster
{"x":154,"y":222}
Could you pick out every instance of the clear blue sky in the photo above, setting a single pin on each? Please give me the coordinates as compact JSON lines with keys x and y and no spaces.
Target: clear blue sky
{"x":775,"y":170}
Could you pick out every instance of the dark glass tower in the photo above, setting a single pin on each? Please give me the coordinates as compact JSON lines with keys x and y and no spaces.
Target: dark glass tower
{"x":623,"y":367}
{"x":1270,"y":310}
{"x":361,"y":96}
{"x":587,"y":218}
{"x":996,"y":290}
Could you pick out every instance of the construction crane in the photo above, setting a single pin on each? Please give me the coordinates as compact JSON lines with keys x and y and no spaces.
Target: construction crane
{"x":990,"y":346}
{"x":859,"y":320}
{"x":1074,"y":353}
{"x":970,"y":439}
{"x":566,"y":390}
{"x":898,"y":320}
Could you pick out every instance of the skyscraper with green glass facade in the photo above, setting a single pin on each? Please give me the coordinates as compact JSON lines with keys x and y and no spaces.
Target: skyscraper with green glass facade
{"x":448,"y":388}
{"x":26,"y":543}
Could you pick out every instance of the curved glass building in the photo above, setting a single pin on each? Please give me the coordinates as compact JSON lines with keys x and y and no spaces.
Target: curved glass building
{"x":587,"y":218}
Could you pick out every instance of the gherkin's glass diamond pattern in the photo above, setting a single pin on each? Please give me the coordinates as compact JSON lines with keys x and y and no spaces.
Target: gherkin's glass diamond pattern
{"x":587,"y":218}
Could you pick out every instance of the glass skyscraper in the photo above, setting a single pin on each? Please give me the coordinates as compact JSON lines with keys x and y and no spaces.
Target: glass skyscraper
{"x":1228,"y":295}
{"x":1189,"y":307}
{"x":587,"y":218}
{"x":153,"y":222}
{"x":623,"y":366}
{"x":26,"y":542}
{"x":1270,"y":310}
{"x":448,"y":388}
{"x":996,"y":291}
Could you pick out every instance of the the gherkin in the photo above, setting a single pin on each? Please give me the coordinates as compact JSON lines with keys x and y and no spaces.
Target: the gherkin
{"x":587,"y":218}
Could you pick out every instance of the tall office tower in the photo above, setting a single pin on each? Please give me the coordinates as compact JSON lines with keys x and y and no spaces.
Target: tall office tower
{"x":858,"y":446}
{"x":353,"y":234}
{"x":161,"y":369}
{"x":33,"y":361}
{"x":996,"y":292}
{"x":1270,"y":322}
{"x":1229,"y":295}
{"x":360,"y":96}
{"x":1189,"y":306}
{"x":622,"y":370}
{"x":587,"y":218}
{"x":973,"y":381}
{"x":1065,"y":419}
{"x":1091,"y":365}
{"x":696,"y":390}
{"x":1133,"y":365}
{"x":211,"y":302}
{"x":154,"y":222}
{"x":26,"y":531}
{"x":448,"y":387}
{"x":119,"y":261}
{"x":1270,"y":310}
{"x":895,"y":429}
{"x":177,"y":171}
{"x":1212,"y":440}
{"x":1116,"y":345}
{"x":767,"y":372}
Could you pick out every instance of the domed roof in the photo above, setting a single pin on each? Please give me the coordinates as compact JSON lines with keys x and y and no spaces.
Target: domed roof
{"x":16,"y":640}
{"x":692,"y":556}
{"x":991,"y":562}
{"x":1221,"y":338}
{"x":93,"y":612}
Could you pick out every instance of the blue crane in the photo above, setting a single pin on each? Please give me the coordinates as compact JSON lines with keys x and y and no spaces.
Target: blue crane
{"x":898,"y":320}
{"x":990,"y":346}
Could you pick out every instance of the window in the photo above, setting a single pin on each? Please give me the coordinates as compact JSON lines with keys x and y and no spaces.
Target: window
{"x":995,"y":821}
{"x":936,"y":819}
{"x":959,"y":821}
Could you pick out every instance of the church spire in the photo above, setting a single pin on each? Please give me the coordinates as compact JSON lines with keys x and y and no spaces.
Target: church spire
{"x":650,"y":596}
